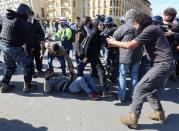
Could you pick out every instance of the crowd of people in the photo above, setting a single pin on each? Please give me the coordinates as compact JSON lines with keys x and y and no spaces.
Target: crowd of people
{"x":145,"y":47}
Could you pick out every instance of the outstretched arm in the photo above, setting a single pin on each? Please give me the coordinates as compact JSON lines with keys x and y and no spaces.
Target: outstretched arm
{"x":112,"y":42}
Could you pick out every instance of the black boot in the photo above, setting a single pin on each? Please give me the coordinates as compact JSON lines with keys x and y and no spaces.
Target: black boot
{"x":29,"y":87}
{"x":6,"y":88}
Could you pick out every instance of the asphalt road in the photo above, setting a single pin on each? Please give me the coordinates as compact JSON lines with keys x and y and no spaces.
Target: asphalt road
{"x":37,"y":111}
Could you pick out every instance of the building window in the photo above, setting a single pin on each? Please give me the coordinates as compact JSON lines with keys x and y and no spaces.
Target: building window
{"x":111,"y":2}
{"x":104,"y":4}
{"x":93,"y":13}
{"x":74,"y":3}
{"x":99,"y":3}
{"x":104,"y":12}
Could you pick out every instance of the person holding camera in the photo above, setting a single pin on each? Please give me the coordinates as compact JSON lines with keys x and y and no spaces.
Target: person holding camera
{"x":169,"y":15}
{"x":111,"y":54}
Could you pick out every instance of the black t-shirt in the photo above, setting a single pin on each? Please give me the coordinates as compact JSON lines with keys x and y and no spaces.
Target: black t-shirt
{"x":156,"y":44}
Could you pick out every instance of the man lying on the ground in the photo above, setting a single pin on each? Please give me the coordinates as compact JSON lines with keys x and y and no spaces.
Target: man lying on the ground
{"x":62,"y":83}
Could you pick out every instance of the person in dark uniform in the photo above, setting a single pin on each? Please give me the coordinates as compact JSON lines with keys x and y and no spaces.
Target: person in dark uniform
{"x":38,"y":42}
{"x":14,"y":33}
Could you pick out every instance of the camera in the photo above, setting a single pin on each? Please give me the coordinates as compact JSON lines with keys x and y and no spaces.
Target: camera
{"x":104,"y":36}
{"x":166,"y":27}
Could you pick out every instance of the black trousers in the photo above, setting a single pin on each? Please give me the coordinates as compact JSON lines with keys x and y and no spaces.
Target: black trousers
{"x":97,"y":68}
{"x":36,"y":57}
{"x":177,"y":68}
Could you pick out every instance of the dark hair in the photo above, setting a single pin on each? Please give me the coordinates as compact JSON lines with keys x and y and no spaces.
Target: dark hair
{"x":86,"y":20}
{"x":24,"y":10}
{"x":96,"y":24}
{"x":55,"y":47}
{"x":143,"y":19}
{"x":77,"y":18}
{"x":170,"y":11}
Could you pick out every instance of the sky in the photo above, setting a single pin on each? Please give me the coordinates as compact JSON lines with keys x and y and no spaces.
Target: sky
{"x":159,"y":5}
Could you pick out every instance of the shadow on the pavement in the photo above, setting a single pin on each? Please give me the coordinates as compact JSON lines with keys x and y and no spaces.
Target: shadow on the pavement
{"x":171,"y":92}
{"x":172,"y":124}
{"x":36,"y":93}
{"x":63,"y":95}
{"x":79,"y":96}
{"x":17,"y":125}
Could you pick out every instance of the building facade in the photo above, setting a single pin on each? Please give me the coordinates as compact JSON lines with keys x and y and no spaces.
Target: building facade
{"x":54,"y":9}
{"x":36,"y":5}
{"x":117,"y":8}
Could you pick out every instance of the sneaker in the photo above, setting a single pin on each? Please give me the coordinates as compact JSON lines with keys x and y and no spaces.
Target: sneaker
{"x":28,"y":88}
{"x":131,"y":120}
{"x":6,"y":88}
{"x":93,"y":96}
{"x":157,"y":116}
{"x":121,"y":101}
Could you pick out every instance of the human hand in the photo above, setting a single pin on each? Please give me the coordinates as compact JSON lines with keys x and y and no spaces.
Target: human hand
{"x":42,"y":44}
{"x":64,"y":38}
{"x":169,"y":33}
{"x":85,"y":60}
{"x":111,"y":42}
{"x":41,"y":56}
{"x":177,"y":47}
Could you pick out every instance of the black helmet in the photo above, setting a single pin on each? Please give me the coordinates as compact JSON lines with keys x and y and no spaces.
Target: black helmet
{"x":157,"y":20}
{"x":24,"y":10}
{"x":108,"y":20}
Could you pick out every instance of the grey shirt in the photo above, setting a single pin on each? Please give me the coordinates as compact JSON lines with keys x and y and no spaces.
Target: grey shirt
{"x":156,"y":44}
{"x":126,"y":32}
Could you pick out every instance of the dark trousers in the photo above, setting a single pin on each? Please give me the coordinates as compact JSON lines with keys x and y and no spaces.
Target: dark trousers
{"x":112,"y":63}
{"x":36,"y":57}
{"x":177,"y":68}
{"x":61,"y":60}
{"x":98,"y":68}
{"x":150,"y":85}
{"x":13,"y":55}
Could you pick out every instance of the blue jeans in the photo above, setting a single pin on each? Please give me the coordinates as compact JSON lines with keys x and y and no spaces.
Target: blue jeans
{"x":61,"y":60}
{"x":123,"y":69}
{"x":84,"y":82}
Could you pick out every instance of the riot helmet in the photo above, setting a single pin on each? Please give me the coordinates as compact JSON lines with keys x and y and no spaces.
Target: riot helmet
{"x":24,"y":10}
{"x":157,"y":20}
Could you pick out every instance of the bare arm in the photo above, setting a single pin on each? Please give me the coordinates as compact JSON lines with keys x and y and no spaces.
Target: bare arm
{"x":129,"y":44}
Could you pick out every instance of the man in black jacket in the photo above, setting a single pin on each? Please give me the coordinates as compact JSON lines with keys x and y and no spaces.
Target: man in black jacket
{"x":14,"y":33}
{"x":38,"y":42}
